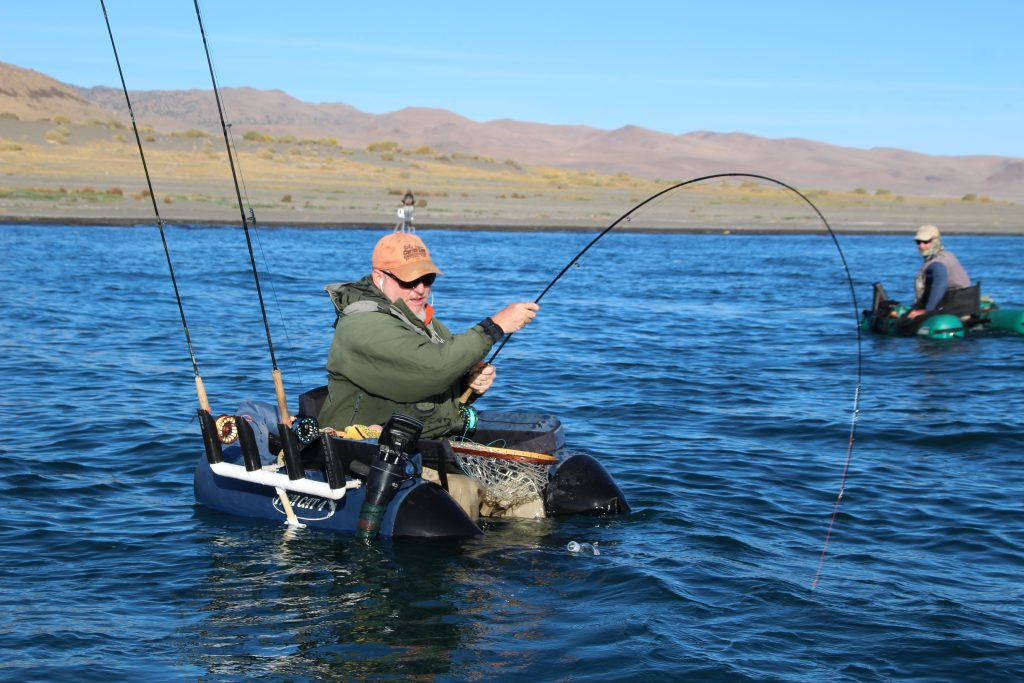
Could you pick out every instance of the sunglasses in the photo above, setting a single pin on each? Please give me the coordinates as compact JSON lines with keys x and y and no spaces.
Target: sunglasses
{"x":426,"y":280}
{"x":925,"y":241}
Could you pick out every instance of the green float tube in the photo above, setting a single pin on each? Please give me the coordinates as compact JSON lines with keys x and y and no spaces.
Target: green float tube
{"x":888,"y":317}
{"x":1004,"y":320}
{"x":942,"y":326}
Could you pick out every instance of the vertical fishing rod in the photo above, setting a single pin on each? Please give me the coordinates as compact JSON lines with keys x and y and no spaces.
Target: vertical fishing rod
{"x":853,"y":297}
{"x":282,"y":403}
{"x":204,"y":403}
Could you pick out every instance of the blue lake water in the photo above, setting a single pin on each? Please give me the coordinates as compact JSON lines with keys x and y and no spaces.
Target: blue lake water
{"x":714,"y":376}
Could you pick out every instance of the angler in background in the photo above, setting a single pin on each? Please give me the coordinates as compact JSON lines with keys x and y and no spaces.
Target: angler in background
{"x":390,"y":354}
{"x":405,"y":213}
{"x":941,"y":285}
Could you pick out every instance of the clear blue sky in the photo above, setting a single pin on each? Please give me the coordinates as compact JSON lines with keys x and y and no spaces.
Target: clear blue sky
{"x":934,"y":77}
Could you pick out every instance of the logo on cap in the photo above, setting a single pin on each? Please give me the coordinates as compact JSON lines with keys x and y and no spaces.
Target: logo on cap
{"x":414,"y":251}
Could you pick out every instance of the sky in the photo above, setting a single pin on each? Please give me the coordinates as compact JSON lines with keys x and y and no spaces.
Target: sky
{"x":943,"y":78}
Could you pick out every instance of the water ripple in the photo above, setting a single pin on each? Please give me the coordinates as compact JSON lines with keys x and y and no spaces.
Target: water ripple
{"x":718,"y":391}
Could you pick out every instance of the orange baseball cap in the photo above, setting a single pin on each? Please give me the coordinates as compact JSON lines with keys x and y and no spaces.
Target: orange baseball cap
{"x":403,"y":255}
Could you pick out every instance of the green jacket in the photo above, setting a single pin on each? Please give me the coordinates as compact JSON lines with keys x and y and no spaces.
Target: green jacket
{"x":384,"y":359}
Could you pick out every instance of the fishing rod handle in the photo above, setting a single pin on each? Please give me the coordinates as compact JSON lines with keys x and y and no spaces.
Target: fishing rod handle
{"x":282,"y":402}
{"x":204,"y":402}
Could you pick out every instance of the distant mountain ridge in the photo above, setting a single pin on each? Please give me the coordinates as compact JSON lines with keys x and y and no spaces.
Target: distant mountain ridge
{"x":630,"y":149}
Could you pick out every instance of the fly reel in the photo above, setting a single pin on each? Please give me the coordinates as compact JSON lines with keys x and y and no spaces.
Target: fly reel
{"x":306,"y":428}
{"x":227,"y":429}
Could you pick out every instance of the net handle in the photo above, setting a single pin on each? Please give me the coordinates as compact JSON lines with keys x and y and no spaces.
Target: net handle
{"x":526,"y":457}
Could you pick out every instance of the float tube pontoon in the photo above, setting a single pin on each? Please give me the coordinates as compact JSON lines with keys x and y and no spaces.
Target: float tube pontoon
{"x":970,"y":313}
{"x":373,"y":487}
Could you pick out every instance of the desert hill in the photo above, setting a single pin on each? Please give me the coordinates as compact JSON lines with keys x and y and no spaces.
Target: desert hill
{"x":29,"y":95}
{"x":631,"y":150}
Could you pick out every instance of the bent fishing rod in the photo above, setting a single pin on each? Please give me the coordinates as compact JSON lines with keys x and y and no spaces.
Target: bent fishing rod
{"x":282,"y":403}
{"x":204,"y":402}
{"x":853,"y":297}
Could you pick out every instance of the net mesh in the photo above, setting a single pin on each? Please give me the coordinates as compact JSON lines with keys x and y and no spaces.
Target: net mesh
{"x":506,"y":483}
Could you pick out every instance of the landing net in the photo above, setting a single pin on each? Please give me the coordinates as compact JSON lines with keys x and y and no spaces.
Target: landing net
{"x":509,"y":477}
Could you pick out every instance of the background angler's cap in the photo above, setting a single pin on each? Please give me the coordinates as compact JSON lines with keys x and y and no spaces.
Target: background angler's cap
{"x":404,"y":255}
{"x":926,"y":232}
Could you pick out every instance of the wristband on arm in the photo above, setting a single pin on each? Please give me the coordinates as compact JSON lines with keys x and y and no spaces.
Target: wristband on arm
{"x":491,"y":329}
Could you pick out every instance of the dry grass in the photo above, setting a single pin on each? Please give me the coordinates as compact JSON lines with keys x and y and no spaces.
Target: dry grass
{"x":48,"y":171}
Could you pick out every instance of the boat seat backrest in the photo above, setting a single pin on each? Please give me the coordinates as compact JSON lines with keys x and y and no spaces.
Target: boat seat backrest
{"x":312,"y":401}
{"x":962,"y":302}
{"x":975,"y":294}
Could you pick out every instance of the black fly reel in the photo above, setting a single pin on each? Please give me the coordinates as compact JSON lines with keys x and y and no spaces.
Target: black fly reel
{"x":306,"y":428}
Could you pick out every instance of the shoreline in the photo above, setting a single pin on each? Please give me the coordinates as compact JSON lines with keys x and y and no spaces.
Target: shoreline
{"x":724,"y":229}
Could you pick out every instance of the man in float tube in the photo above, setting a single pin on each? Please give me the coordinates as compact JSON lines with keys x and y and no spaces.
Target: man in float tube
{"x":941,"y":285}
{"x":391,"y":355}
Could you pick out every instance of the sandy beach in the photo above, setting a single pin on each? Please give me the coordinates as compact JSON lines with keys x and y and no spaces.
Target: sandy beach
{"x":63,"y":172}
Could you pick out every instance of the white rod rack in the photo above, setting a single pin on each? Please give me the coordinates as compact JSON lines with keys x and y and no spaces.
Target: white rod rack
{"x":269,"y":477}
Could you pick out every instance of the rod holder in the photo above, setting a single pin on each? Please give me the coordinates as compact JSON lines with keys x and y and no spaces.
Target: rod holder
{"x":334,"y":466}
{"x":214,"y":451}
{"x":292,"y":453}
{"x":247,"y":441}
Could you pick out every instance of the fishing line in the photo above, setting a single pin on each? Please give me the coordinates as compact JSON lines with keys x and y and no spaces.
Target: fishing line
{"x":200,"y":388}
{"x":853,"y":298}
{"x":278,"y":383}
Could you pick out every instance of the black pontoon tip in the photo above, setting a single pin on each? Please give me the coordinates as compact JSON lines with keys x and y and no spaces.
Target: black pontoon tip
{"x":429,"y":512}
{"x":582,"y":486}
